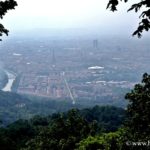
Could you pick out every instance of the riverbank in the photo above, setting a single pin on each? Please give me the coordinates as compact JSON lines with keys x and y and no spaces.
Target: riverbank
{"x":11,"y":79}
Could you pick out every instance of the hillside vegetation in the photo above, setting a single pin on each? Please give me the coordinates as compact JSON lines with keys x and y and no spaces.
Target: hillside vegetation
{"x":14,"y":106}
{"x":60,"y":130}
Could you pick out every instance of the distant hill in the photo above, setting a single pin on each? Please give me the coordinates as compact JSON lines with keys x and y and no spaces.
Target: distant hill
{"x":14,"y":106}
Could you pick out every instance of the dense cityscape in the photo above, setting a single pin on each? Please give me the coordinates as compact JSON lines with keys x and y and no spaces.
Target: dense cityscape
{"x":88,"y":69}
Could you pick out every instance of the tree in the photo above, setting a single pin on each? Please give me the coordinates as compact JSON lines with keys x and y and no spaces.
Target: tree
{"x":4,"y":7}
{"x":105,"y":141}
{"x":63,"y":132}
{"x":138,"y":110}
{"x":144,"y":24}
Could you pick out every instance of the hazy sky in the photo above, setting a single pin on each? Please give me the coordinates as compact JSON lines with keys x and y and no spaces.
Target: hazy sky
{"x":88,"y":14}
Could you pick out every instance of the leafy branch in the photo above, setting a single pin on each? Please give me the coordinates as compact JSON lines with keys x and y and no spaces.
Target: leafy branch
{"x":144,"y":24}
{"x":4,"y":7}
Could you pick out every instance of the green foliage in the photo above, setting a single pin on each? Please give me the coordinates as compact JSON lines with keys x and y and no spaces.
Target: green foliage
{"x":64,"y":131}
{"x":91,"y":143}
{"x":14,"y":106}
{"x":109,"y":118}
{"x":144,"y":24}
{"x":4,"y":7}
{"x":14,"y":136}
{"x":105,"y":141}
{"x":67,"y":129}
{"x":139,"y":110}
{"x":58,"y":131}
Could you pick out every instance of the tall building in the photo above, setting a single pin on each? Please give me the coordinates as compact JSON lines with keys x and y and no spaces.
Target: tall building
{"x":53,"y":59}
{"x":95,"y":43}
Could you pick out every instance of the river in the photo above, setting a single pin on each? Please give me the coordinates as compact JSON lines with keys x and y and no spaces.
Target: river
{"x":11,"y":79}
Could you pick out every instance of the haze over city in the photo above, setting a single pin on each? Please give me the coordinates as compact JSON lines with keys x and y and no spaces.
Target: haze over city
{"x":52,"y":45}
{"x":86,"y":16}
